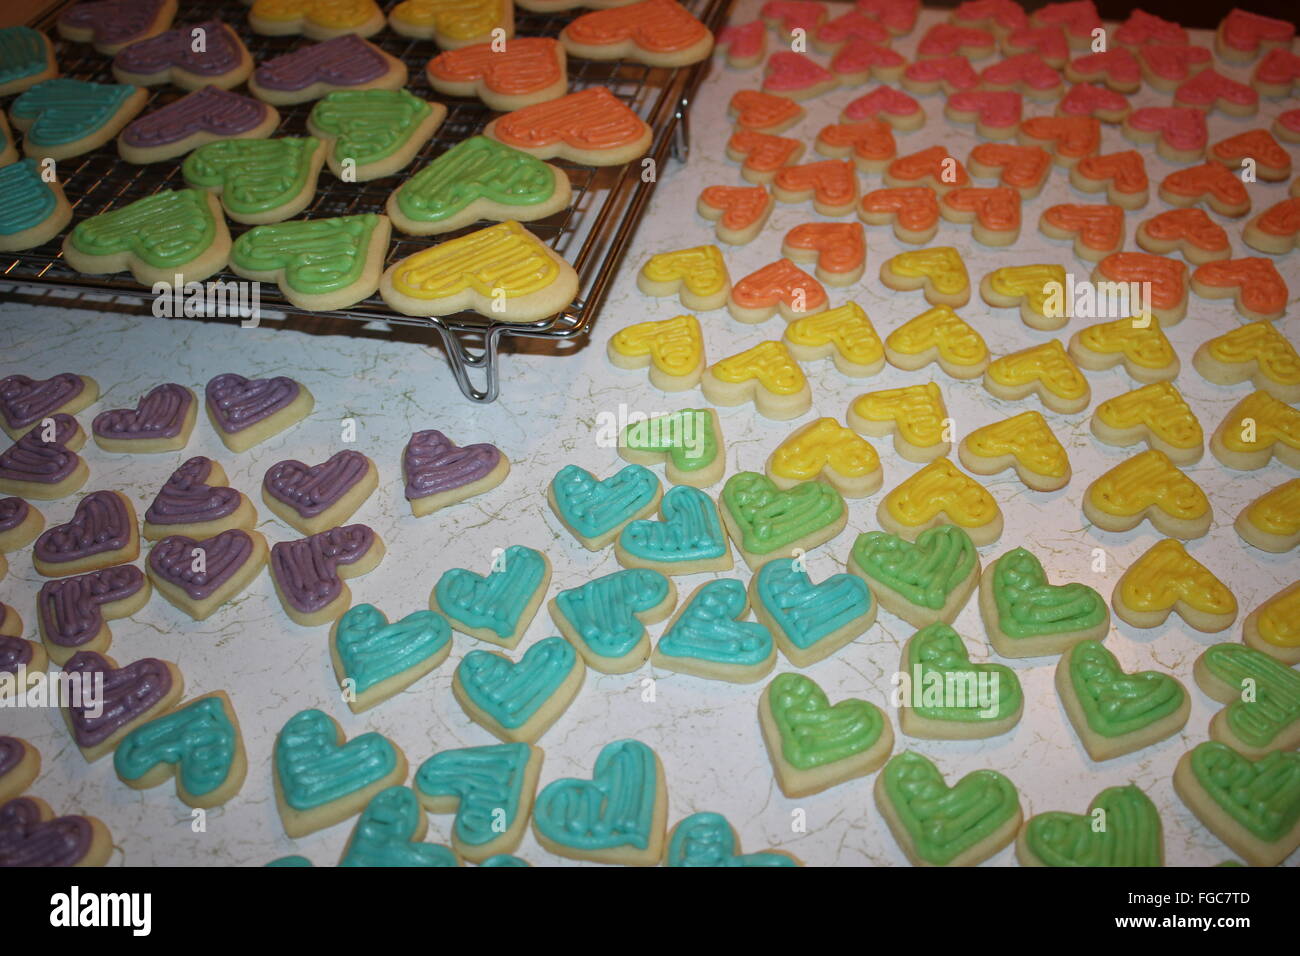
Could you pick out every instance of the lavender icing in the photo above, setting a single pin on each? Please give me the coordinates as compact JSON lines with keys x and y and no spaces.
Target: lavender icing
{"x":13,"y":512}
{"x":69,"y":608}
{"x":14,"y":651}
{"x":31,"y":459}
{"x":237,"y":403}
{"x":25,"y":401}
{"x":223,"y":51}
{"x":100,"y":523}
{"x":209,"y":110}
{"x":306,"y":571}
{"x":128,"y":694}
{"x":187,"y":498}
{"x":160,"y":414}
{"x":12,"y":751}
{"x":26,"y":840}
{"x":310,"y":490}
{"x":113,"y":21}
{"x":343,"y":61}
{"x":432,"y":463}
{"x":172,"y":559}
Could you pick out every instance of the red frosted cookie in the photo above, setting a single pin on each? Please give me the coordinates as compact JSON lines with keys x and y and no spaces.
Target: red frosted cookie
{"x":896,"y":16}
{"x":1190,"y":231}
{"x":949,"y":73}
{"x":995,"y":113}
{"x":1000,"y":16}
{"x":1167,"y":278}
{"x":839,"y":250}
{"x":1165,"y":67}
{"x":1180,"y":133}
{"x":1142,"y":28}
{"x":913,"y":211}
{"x":1260,"y":292}
{"x":779,"y":286}
{"x":1278,"y":74}
{"x":1118,"y":69}
{"x":1067,"y":138}
{"x":1272,"y":162}
{"x":1023,"y":168}
{"x":831,"y":184}
{"x":763,"y":112}
{"x":745,"y":45}
{"x":993,"y":213}
{"x":1078,"y":18}
{"x":870,"y":144}
{"x":1085,"y":99}
{"x":1027,"y":72}
{"x":1097,"y":230}
{"x":1209,"y":90}
{"x":761,"y":154}
{"x":1211,"y":183}
{"x":796,"y":76}
{"x":1242,"y":35}
{"x":887,"y":105}
{"x":952,"y":39}
{"x":1048,"y":42}
{"x":739,"y":211}
{"x":833,"y":35}
{"x":1123,"y":177}
{"x":934,"y":167}
{"x":860,"y":60}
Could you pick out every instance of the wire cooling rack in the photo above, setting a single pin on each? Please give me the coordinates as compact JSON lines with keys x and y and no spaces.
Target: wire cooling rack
{"x":592,"y":233}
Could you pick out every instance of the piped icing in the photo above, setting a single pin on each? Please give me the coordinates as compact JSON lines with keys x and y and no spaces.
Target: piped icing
{"x":27,"y":840}
{"x":128,"y":694}
{"x":172,"y":559}
{"x":199,"y":739}
{"x":101,"y":523}
{"x":70,"y":608}
{"x":433,"y":464}
{"x":30,"y":459}
{"x":210,"y":110}
{"x":346,"y":60}
{"x":311,"y":490}
{"x":238,"y":403}
{"x":222,"y":51}
{"x":25,"y":401}
{"x":187,"y":498}
{"x":305,"y":571}
{"x":160,"y":414}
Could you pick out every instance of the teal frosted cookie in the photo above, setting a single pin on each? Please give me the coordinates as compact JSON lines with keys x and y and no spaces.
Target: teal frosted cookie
{"x":944,"y":696}
{"x":1268,"y":718}
{"x":517,"y":701}
{"x":707,"y":839}
{"x":709,"y":638}
{"x":1121,"y":828}
{"x":390,"y":832}
{"x":322,"y":778}
{"x":199,"y":743}
{"x":505,"y":859}
{"x":259,"y":180}
{"x":489,"y":789}
{"x":32,"y":211}
{"x":688,"y":537}
{"x":618,"y":816}
{"x":605,"y":619}
{"x":382,"y":658}
{"x":498,"y":607}
{"x":26,"y":58}
{"x":688,"y":443}
{"x":596,"y":510}
{"x":62,"y":117}
{"x":810,"y":621}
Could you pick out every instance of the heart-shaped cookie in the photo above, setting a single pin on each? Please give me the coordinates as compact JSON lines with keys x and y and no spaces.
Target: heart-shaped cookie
{"x":1189,"y":231}
{"x":707,"y":839}
{"x":115,"y":700}
{"x":28,"y":56}
{"x":490,"y":789}
{"x":102,"y":532}
{"x":1254,"y":283}
{"x":897,"y":16}
{"x":746,"y":44}
{"x":1165,"y":278}
{"x":594,"y":511}
{"x":698,"y":275}
{"x":196,"y":501}
{"x":1257,"y":352}
{"x":1157,"y":414}
{"x":171,"y":57}
{"x":859,"y":60}
{"x":390,"y":832}
{"x":940,"y":493}
{"x":1085,"y":99}
{"x":377,"y":130}
{"x":527,"y":70}
{"x":814,"y":745}
{"x":1269,"y":718}
{"x":1276,"y":229}
{"x":923,"y":581}
{"x":934,"y":167}
{"x":1023,"y":168}
{"x":453,"y":23}
{"x":766,"y":522}
{"x":994,"y":213}
{"x":209,"y":113}
{"x":519,"y":700}
{"x":825,"y":450}
{"x":1024,"y":442}
{"x":1067,"y":138}
{"x":1164,"y":579}
{"x":938,"y":270}
{"x":313,"y":498}
{"x":1211,"y":183}
{"x":112,"y":24}
{"x":606,"y":618}
{"x":1273,"y":163}
{"x":1148,"y":486}
{"x":26,"y":401}
{"x":1121,"y":828}
{"x":200,"y":576}
{"x":796,"y":75}
{"x":1097,"y":230}
{"x":161,"y":421}
{"x":382,"y":659}
{"x":946,"y":697}
{"x":318,"y":19}
{"x":1258,"y":428}
{"x":844,"y":333}
{"x":438,"y":472}
{"x":30,"y":835}
{"x":199,"y":744}
{"x":740,"y":211}
{"x":1027,"y":72}
{"x":618,"y":816}
{"x":672,"y":348}
{"x":316,"y":262}
{"x":949,"y":39}
{"x":688,"y":442}
{"x":311,"y":71}
{"x":913,"y":211}
{"x":709,"y":639}
{"x":73,"y":613}
{"x":259,"y":180}
{"x":1048,"y":42}
{"x":688,"y":538}
{"x":949,"y":73}
{"x":766,"y":374}
{"x":1142,"y":28}
{"x":36,"y":468}
{"x":591,"y":126}
{"x":1036,"y":289}
{"x":62,"y":117}
{"x":1180,"y":133}
{"x":778,"y":286}
{"x":246,"y":411}
{"x":1117,"y":68}
{"x":887,"y":105}
{"x":654,"y":32}
{"x":322,"y":778}
{"x":1209,"y":90}
{"x":1025,"y":616}
{"x":838,"y":248}
{"x":762,"y":155}
{"x":1122,"y":175}
{"x":810,"y":621}
{"x":996,"y":113}
{"x":763,"y":112}
{"x":499,"y":607}
{"x":308,"y":573}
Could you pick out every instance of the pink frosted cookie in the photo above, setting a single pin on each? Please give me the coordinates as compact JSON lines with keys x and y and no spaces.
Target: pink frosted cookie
{"x":887,"y":105}
{"x":995,"y":113}
{"x":1209,"y":90}
{"x":1142,"y":28}
{"x":1000,"y":16}
{"x":1165,"y":67}
{"x":1077,"y":17}
{"x":860,"y":60}
{"x":1048,"y":42}
{"x":1243,"y":35}
{"x":951,"y":39}
{"x":1180,"y":133}
{"x":1027,"y":72}
{"x":797,"y":76}
{"x":786,"y":16}
{"x":1278,"y":74}
{"x":896,"y":16}
{"x":745,"y":45}
{"x":1084,"y":99}
{"x":833,"y":35}
{"x":1287,"y":126}
{"x":1118,"y":69}
{"x":870,"y":144}
{"x":949,"y":73}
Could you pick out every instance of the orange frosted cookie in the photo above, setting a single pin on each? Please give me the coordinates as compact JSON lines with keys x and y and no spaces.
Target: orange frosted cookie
{"x":938,"y":335}
{"x":654,"y":32}
{"x":1257,"y":352}
{"x":592,"y":126}
{"x":1023,"y":168}
{"x":940,"y":493}
{"x":1097,"y":230}
{"x":1190,"y":231}
{"x":844,"y":333}
{"x":763,"y":112}
{"x":778,"y":286}
{"x":1137,"y":342}
{"x":1255,"y":285}
{"x":934,"y":167}
{"x":740,"y":212}
{"x":1037,"y":290}
{"x":1156,"y":414}
{"x":869,"y":143}
{"x":1167,"y":579}
{"x":1122,"y":176}
{"x":1272,"y":521}
{"x":767,"y":375}
{"x":1276,"y":230}
{"x":940,"y":271}
{"x":762,"y":155}
{"x":1274,"y":626}
{"x":1067,"y":138}
{"x":914,"y":414}
{"x":1272,"y":162}
{"x":697,"y":276}
{"x":825,"y":450}
{"x":1210,"y":183}
{"x":1148,"y":487}
{"x":1024,"y":442}
{"x":1257,"y":428}
{"x":913,"y":211}
{"x":1045,"y":370}
{"x":831,"y":184}
{"x":1165,"y":278}
{"x":993,"y":213}
{"x":528,"y":70}
{"x":672,"y":349}
{"x":839,"y":250}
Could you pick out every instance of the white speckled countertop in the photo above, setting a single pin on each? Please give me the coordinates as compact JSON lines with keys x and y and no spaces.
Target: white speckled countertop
{"x":706,"y":732}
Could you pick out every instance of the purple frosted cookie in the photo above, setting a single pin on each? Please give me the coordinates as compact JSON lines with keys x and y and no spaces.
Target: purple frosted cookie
{"x":308,"y":573}
{"x":36,"y":468}
{"x":20,"y":763}
{"x":204,"y":116}
{"x":115,"y":699}
{"x":30,"y":835}
{"x":112,"y":24}
{"x":247,"y":411}
{"x":343,"y":63}
{"x":102,"y":532}
{"x":161,"y":421}
{"x":25,"y":401}
{"x":438,"y":472}
{"x":313,"y":498}
{"x":73,"y":613}
{"x":197,"y":502}
{"x":198,"y":576}
{"x":20,"y":523}
{"x":170,"y":57}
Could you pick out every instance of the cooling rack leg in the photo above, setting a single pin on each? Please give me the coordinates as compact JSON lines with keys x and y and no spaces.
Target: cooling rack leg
{"x":682,"y":131}
{"x":462,"y":357}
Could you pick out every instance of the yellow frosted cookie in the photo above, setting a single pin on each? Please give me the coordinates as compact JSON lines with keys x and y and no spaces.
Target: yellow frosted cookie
{"x":1042,"y":369}
{"x":1036,"y":289}
{"x":672,"y":348}
{"x":1257,"y":428}
{"x":697,"y":276}
{"x":1024,"y":442}
{"x":940,"y":271}
{"x":826,"y":450}
{"x":1272,"y":521}
{"x":845,"y":333}
{"x":1148,"y":486}
{"x":1140,"y":344}
{"x":453,"y":24}
{"x":941,"y":494}
{"x":1166,"y":579}
{"x":1274,"y":626}
{"x":914,"y":414}
{"x":938,"y":335}
{"x":1257,"y":352}
{"x":767,"y":375}
{"x":1156,"y":414}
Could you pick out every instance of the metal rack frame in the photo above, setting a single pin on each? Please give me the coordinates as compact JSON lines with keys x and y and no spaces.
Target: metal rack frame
{"x":593,"y":232}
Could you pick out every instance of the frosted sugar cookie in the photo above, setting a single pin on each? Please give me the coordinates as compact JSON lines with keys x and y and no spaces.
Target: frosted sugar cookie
{"x":1027,"y":73}
{"x":810,"y":621}
{"x":740,"y":212}
{"x":518,"y":701}
{"x":766,"y":522}
{"x":1272,"y":522}
{"x":896,"y":16}
{"x":709,"y":637}
{"x":673,"y":350}
{"x":308,"y":73}
{"x":370,"y":134}
{"x":1189,"y":231}
{"x":999,"y":16}
{"x":833,"y":35}
{"x":839,"y":250}
{"x":606,"y":618}
{"x":707,"y":839}
{"x":1132,"y":836}
{"x":1048,"y":42}
{"x":995,"y":113}
{"x":934,"y":167}
{"x":780,"y":286}
{"x":1123,"y":177}
{"x":390,"y":832}
{"x":745,"y":44}
{"x":951,"y":74}
{"x":1180,"y":133}
{"x":1277,"y":73}
{"x":18,"y":657}
{"x":697,"y":276}
{"x":1025,"y":616}
{"x":453,"y":24}
{"x":1045,"y":370}
{"x":654,"y":32}
{"x":914,"y":414}
{"x":38,"y":210}
{"x":1067,"y":138}
{"x":44,"y":463}
{"x":500,"y":265}
{"x":687,"y":539}
{"x":20,"y":524}
{"x":815,"y":745}
{"x":27,"y":825}
{"x":940,"y":494}
{"x":688,"y":443}
{"x":940,"y":271}
{"x":197,"y":502}
{"x":1143,"y":28}
{"x":826,"y":450}
{"x":102,"y":532}
{"x":1257,"y":288}
{"x":591,"y":126}
{"x":993,"y":214}
{"x":318,"y":264}
{"x":1024,"y":442}
{"x":1272,"y":162}
{"x":618,"y":816}
{"x":1235,"y":797}
{"x":1162,"y":281}
{"x":1022,"y":168}
{"x":939,"y":825}
{"x":112,"y":24}
{"x":140,"y":691}
{"x":1084,"y":99}
{"x":595,"y":510}
{"x":1257,"y":352}
{"x":529,"y":70}
{"x":860,"y":61}
{"x":844,"y":333}
{"x":1276,"y":230}
{"x":1117,"y":68}
{"x":1035,"y":289}
{"x":26,"y":402}
{"x":1268,"y":719}
{"x":317,"y":19}
{"x":1258,"y":427}
{"x":948,"y":697}
{"x":20,"y":764}
{"x":1166,"y":66}
{"x":831,"y":184}
{"x":314,"y":498}
{"x":955,"y":39}
{"x":437,"y":472}
{"x":161,"y":421}
{"x":762,"y":155}
{"x":322,"y":778}
{"x":1097,"y":230}
{"x":1156,"y":414}
{"x":1139,"y":344}
{"x":246,"y":412}
{"x":1166,"y":578}
{"x":796,"y":76}
{"x":258,"y":180}
{"x":870,"y":144}
{"x":767,"y":375}
{"x":912,"y":210}
{"x":220,"y":60}
{"x":73,"y":613}
{"x":1150,"y":487}
{"x":1212,"y":184}
{"x":382,"y":658}
{"x":200,"y":576}
{"x":309,"y":573}
{"x":1271,"y":627}
{"x":489,"y":789}
{"x":499,"y":606}
{"x":885,"y":104}
{"x":763,"y":112}
{"x":1078,"y":18}
{"x":28,"y":58}
{"x":206,"y":115}
{"x":1209,"y":90}
{"x":179,"y":232}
